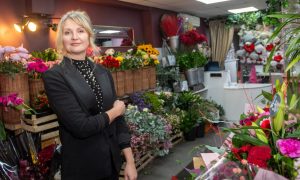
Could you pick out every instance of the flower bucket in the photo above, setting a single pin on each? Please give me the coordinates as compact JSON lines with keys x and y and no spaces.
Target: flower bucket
{"x":120,"y":83}
{"x":174,"y":43}
{"x":128,"y":81}
{"x":36,"y":86}
{"x":137,"y":80}
{"x":10,"y":115}
{"x":114,"y":76}
{"x":145,"y":78}
{"x":192,"y":76}
{"x":152,"y":77}
{"x":17,"y":83}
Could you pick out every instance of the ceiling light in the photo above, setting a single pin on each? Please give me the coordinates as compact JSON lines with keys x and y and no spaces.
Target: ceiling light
{"x":109,"y":32}
{"x":242,"y":10}
{"x":18,"y":27}
{"x":211,"y":1}
{"x":32,"y":26}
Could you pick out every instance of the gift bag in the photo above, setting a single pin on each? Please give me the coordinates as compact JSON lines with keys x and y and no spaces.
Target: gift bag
{"x":168,"y":58}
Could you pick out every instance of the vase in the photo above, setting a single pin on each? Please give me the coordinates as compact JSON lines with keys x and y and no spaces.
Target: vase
{"x":174,"y":43}
{"x":128,"y":82}
{"x":152,"y":77}
{"x":10,"y":115}
{"x":145,"y":78}
{"x":17,"y":83}
{"x":137,"y":80}
{"x":36,"y":86}
{"x":120,"y":83}
{"x":192,"y":76}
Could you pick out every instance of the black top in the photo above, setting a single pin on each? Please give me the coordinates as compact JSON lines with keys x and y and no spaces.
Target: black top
{"x":87,"y":72}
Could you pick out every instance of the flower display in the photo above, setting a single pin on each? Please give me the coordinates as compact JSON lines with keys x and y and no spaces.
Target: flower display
{"x":150,"y":128}
{"x":192,"y":37}
{"x":267,"y":137}
{"x":13,"y":60}
{"x":110,"y":62}
{"x":149,"y":54}
{"x":35,"y":68}
{"x":41,"y":101}
{"x":13,"y":101}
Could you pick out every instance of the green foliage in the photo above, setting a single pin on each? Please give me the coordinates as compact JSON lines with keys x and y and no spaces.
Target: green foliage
{"x":154,"y":101}
{"x":190,"y":59}
{"x":46,"y":55}
{"x":9,"y":67}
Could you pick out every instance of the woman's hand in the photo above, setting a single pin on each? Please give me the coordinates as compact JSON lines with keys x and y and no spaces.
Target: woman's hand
{"x":130,"y":172}
{"x":118,"y":109}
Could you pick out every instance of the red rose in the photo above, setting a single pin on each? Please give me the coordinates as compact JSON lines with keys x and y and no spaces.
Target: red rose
{"x":265,"y":124}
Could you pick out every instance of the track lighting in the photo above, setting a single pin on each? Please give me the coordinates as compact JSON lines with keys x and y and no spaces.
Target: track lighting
{"x":31,"y":23}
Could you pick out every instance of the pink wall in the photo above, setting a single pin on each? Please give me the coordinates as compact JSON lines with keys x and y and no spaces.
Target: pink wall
{"x":144,"y":20}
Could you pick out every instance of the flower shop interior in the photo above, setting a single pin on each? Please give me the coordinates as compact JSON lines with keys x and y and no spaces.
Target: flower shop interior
{"x":210,"y":86}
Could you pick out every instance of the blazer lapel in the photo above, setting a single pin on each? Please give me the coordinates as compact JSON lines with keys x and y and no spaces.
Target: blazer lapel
{"x":82,"y":90}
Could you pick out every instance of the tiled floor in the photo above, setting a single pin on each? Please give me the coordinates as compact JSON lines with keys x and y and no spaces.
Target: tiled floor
{"x":163,"y":168}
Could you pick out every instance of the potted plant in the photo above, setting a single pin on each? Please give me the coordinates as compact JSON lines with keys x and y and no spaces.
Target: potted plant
{"x":189,"y":62}
{"x":12,"y":71}
{"x":188,"y":103}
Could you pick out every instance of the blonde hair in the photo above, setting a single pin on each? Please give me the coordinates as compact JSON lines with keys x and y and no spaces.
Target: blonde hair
{"x":81,"y":18}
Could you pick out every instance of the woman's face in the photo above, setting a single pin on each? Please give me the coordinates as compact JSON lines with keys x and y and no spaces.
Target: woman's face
{"x":75,"y":39}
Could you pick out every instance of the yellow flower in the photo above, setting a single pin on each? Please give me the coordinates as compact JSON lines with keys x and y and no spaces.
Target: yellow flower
{"x":156,"y":61}
{"x":120,"y":58}
{"x":146,"y":62}
{"x":153,"y":56}
{"x":145,"y":56}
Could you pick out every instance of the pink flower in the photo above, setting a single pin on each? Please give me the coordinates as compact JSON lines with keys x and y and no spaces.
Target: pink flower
{"x":41,"y":67}
{"x":31,"y":66}
{"x":289,"y":147}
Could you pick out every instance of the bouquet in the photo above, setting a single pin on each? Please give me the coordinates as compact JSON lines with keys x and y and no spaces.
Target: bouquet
{"x":13,"y":60}
{"x":148,"y":53}
{"x":269,"y":137}
{"x":192,"y":37}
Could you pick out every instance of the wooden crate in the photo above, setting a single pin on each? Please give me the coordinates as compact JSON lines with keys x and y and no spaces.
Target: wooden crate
{"x":46,"y":125}
{"x":140,"y":164}
{"x":176,"y":138}
{"x":40,"y":124}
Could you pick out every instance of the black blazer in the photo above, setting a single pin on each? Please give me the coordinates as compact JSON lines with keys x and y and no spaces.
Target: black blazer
{"x":90,"y":146}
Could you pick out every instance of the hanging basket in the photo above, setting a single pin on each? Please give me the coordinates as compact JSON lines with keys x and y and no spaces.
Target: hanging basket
{"x":128,"y":81}
{"x":17,"y":83}
{"x":145,"y":78}
{"x":36,"y":86}
{"x":137,"y":80}
{"x":120,"y":83}
{"x":152,"y":77}
{"x":10,"y":115}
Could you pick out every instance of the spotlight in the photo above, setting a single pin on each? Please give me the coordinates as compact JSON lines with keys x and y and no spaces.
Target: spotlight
{"x":18,"y":27}
{"x":32,"y":26}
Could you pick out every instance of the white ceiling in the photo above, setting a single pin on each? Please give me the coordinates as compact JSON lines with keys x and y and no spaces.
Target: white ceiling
{"x":199,"y":9}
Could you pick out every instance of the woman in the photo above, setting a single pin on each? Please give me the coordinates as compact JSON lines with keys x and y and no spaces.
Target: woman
{"x":82,"y":94}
